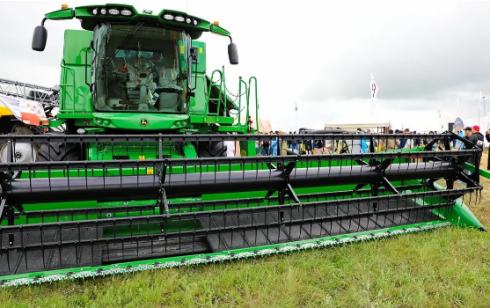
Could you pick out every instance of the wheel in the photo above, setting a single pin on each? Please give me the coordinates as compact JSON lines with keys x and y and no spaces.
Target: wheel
{"x":211,"y":149}
{"x":21,"y":152}
{"x":59,"y":151}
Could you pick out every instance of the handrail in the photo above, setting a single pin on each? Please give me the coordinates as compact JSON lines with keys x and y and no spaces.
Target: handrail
{"x":253,"y":78}
{"x":240,"y":98}
{"x":222,"y":82}
{"x":221,"y":77}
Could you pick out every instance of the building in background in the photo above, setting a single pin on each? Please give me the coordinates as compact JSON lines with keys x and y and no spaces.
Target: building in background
{"x":382,"y":128}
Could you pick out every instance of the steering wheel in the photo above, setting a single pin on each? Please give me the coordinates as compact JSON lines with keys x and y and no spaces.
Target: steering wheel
{"x":142,"y":64}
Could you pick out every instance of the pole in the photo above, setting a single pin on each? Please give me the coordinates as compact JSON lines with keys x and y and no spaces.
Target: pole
{"x":296,"y":116}
{"x":479,"y":107}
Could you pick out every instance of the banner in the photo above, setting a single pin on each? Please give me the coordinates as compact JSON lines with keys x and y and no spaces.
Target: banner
{"x":27,"y":111}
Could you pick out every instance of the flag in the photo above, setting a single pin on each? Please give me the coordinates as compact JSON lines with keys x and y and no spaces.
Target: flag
{"x":374,"y":87}
{"x":483,"y":102}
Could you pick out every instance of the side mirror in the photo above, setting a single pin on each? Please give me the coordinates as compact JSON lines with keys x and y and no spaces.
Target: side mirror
{"x":233,"y":53}
{"x":39,"y":38}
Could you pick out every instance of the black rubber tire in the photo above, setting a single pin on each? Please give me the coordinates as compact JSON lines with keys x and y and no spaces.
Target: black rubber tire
{"x":211,"y":149}
{"x":59,"y":152}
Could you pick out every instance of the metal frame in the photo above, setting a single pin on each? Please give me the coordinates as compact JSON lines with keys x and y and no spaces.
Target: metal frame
{"x":215,"y":206}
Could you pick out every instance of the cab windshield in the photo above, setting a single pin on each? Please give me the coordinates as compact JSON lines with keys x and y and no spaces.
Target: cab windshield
{"x":140,"y":69}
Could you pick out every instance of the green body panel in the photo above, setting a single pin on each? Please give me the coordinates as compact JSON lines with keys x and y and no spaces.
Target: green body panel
{"x":76,"y":43}
{"x":201,"y":57}
{"x":219,"y":30}
{"x":460,"y":214}
{"x":196,"y":106}
{"x":75,"y":95}
{"x":484,"y":173}
{"x":133,"y":121}
{"x":60,"y":14}
{"x":211,"y":119}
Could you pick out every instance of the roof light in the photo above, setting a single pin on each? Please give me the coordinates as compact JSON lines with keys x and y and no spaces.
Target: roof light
{"x":114,"y":11}
{"x":94,"y":12}
{"x":216,"y":23}
{"x":147,"y":12}
{"x":103,"y":11}
{"x":64,"y":6}
{"x":194,"y":22}
{"x":188,"y":20}
{"x":168,"y":17}
{"x":126,"y":12}
{"x":179,"y":18}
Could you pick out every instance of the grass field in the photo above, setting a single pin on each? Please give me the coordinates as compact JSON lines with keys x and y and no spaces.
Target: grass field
{"x":444,"y":268}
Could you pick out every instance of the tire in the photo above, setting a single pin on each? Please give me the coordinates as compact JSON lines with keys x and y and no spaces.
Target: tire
{"x":16,"y":127}
{"x":211,"y":149}
{"x":59,"y":152}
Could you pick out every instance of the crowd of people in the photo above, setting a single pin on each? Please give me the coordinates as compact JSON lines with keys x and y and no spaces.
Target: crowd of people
{"x":336,"y":145}
{"x":275,"y":145}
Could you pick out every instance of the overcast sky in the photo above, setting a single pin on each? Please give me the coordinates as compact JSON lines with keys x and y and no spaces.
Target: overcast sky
{"x":320,"y":54}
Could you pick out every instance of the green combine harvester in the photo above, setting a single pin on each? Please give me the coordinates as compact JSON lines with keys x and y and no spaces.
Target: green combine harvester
{"x":131,"y":174}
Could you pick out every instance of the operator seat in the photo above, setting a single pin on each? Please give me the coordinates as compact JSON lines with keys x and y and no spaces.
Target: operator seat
{"x":167,"y":78}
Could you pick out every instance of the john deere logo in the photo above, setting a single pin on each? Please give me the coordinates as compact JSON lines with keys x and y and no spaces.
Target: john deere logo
{"x":144,"y":122}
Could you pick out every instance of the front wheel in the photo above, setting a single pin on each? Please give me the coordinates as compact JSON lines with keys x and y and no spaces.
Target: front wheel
{"x":211,"y":149}
{"x":59,"y":151}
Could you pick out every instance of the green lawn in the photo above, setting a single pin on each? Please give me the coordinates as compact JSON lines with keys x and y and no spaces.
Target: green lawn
{"x":444,"y":268}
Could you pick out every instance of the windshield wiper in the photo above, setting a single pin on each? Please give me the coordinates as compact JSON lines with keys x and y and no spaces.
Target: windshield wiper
{"x":132,"y":31}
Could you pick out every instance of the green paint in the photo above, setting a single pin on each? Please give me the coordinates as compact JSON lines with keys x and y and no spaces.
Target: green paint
{"x":484,"y":173}
{"x":459,"y":214}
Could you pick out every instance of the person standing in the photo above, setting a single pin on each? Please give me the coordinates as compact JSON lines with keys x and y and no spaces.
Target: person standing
{"x":405,"y":143}
{"x":364,"y":142}
{"x":487,"y":136}
{"x":274,"y":144}
{"x":477,"y":139}
{"x":459,"y":145}
{"x":250,"y":122}
{"x":295,"y":143}
{"x":266,"y":147}
{"x":392,"y":143}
